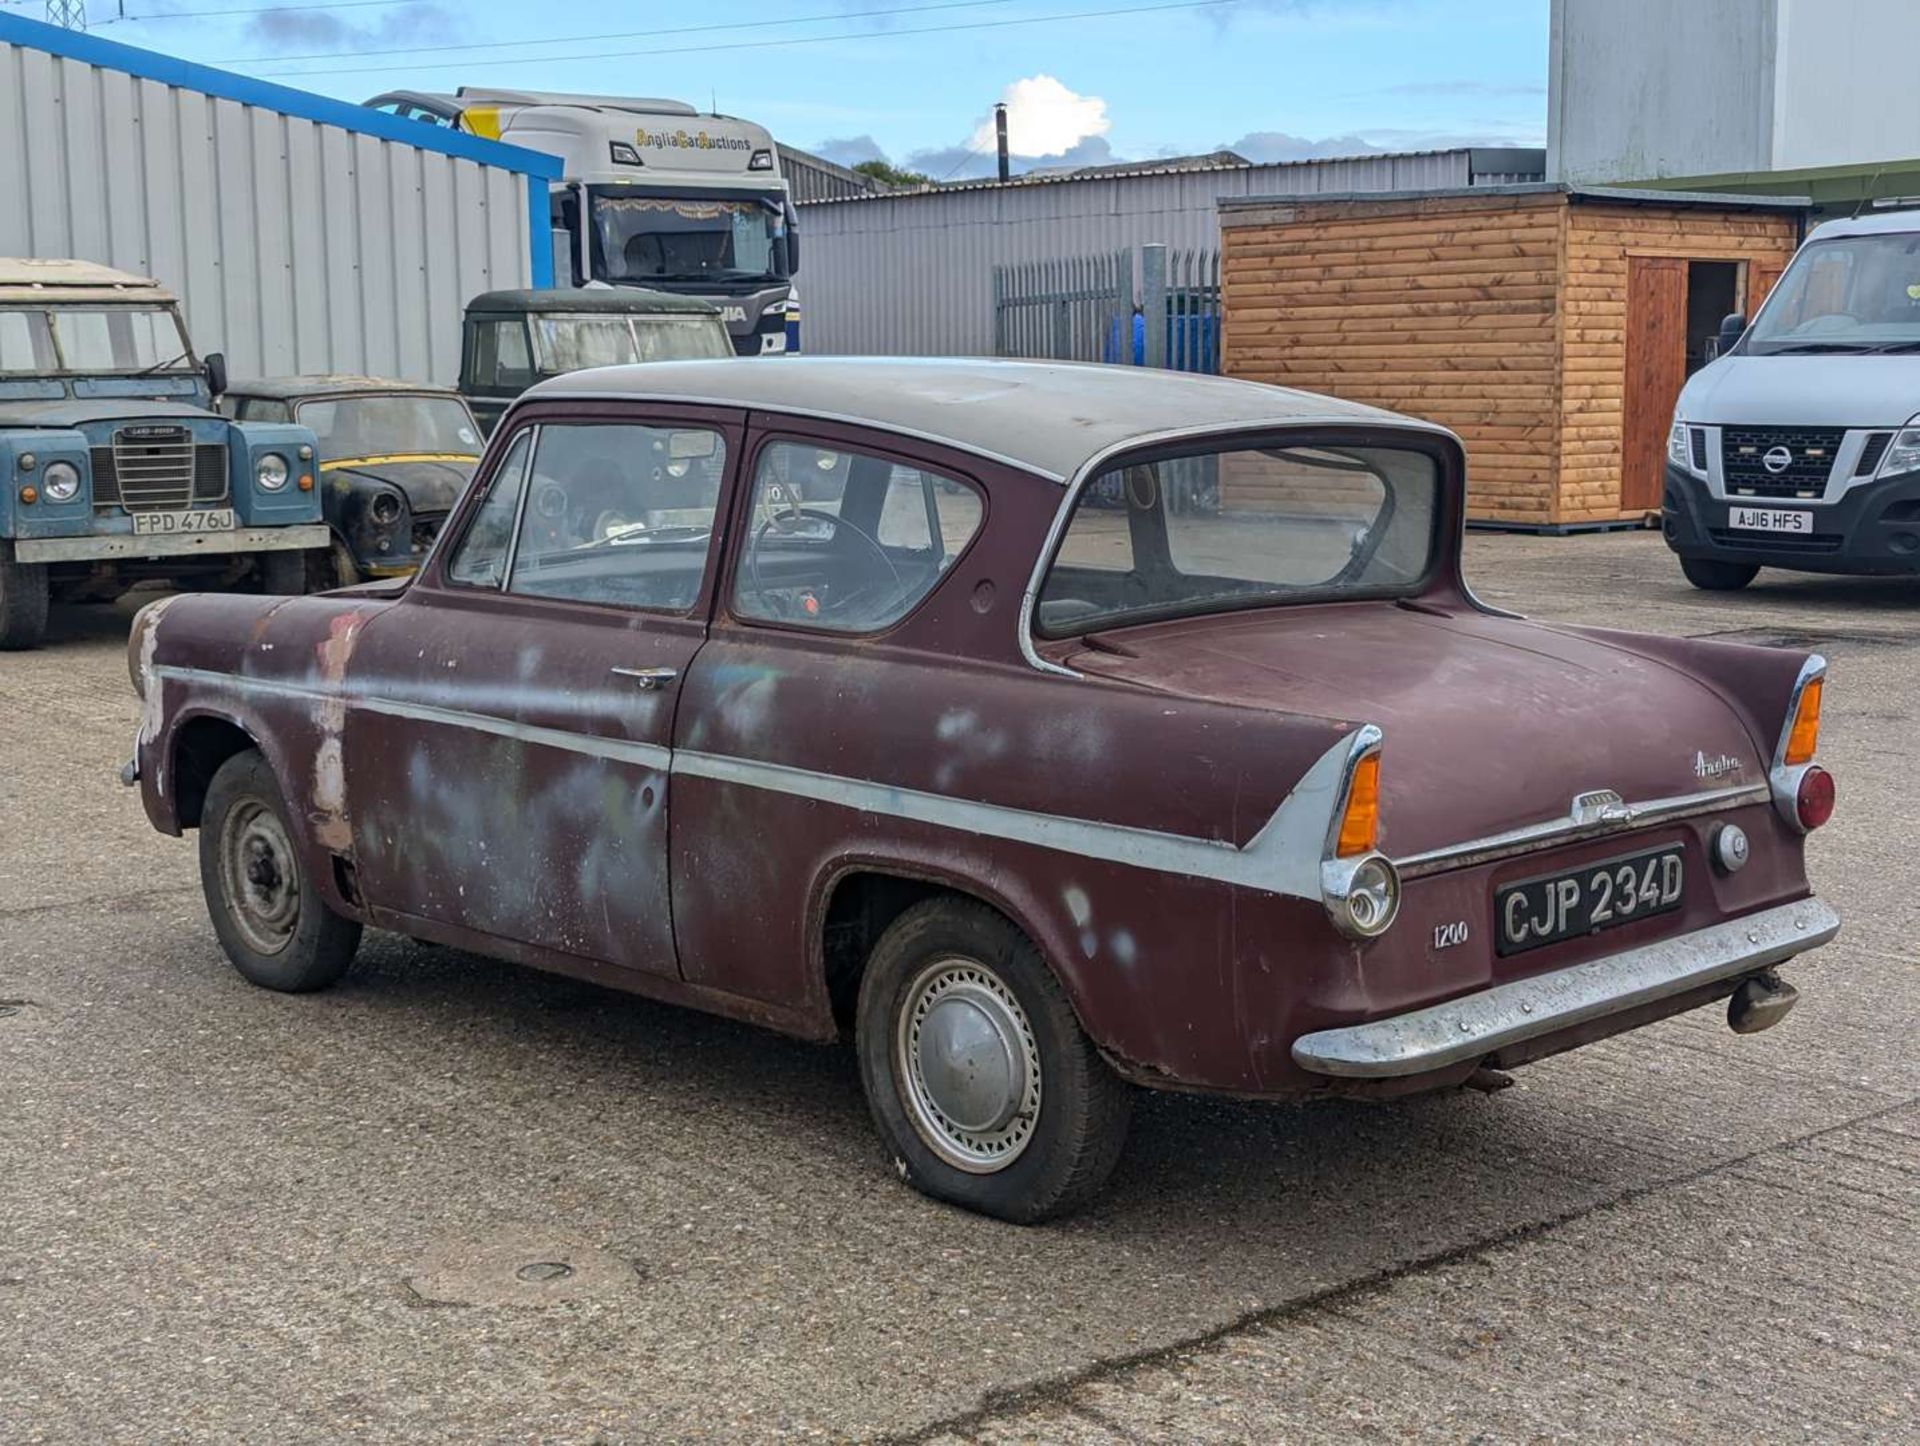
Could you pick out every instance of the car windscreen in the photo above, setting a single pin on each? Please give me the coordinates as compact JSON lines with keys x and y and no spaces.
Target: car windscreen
{"x":119,"y":339}
{"x":26,"y":344}
{"x":574,"y":343}
{"x":1851,"y":294}
{"x":1214,"y":530}
{"x":390,"y":426}
{"x":676,"y":238}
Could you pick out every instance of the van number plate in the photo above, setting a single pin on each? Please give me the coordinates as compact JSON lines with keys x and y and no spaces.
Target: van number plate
{"x":1770,"y":519}
{"x":214,"y":519}
{"x":1537,"y":912}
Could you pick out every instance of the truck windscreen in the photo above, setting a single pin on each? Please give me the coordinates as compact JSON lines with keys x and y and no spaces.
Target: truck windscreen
{"x":649,"y":239}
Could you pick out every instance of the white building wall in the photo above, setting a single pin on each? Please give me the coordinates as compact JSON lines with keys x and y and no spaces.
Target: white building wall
{"x":295,"y":246}
{"x":1843,"y":90}
{"x":1639,"y":90}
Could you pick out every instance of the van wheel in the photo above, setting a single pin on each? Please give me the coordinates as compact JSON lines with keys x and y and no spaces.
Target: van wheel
{"x":23,"y":604}
{"x":282,"y":573}
{"x":1711,"y":576}
{"x":274,"y":925}
{"x":981,"y":1082}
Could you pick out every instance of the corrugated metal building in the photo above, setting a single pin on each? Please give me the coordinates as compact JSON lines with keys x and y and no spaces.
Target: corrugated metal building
{"x":815,"y":178}
{"x":302,"y":234}
{"x":911,"y":273}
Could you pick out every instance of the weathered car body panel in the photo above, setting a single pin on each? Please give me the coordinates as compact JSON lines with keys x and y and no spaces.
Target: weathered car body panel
{"x":472,"y":768}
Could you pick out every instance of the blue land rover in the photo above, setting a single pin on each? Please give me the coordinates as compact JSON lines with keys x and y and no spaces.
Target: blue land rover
{"x":113,"y":468}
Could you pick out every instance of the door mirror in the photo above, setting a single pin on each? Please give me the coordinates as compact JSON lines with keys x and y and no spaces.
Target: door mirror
{"x":216,"y":368}
{"x":793,"y":240}
{"x":1732,"y":327}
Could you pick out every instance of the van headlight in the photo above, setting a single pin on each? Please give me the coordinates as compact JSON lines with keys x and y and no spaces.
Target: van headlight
{"x":60,"y":482}
{"x":1677,"y":446}
{"x":1903,"y":453}
{"x":271,"y":472}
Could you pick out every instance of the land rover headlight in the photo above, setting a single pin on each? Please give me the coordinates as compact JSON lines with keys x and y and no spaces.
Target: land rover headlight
{"x":1903,"y":453}
{"x":60,"y":482}
{"x":271,"y":472}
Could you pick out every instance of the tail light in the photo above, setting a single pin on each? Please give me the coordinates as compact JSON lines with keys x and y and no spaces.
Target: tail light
{"x":1813,"y":800}
{"x":1358,"y":884}
{"x":1803,"y":791}
{"x":1803,"y":730}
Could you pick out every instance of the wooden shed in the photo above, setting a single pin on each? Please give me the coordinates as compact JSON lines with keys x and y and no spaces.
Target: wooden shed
{"x":1550,"y":326}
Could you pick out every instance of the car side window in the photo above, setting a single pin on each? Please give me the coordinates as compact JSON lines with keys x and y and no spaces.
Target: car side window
{"x":846,"y":541}
{"x":501,"y":357}
{"x":481,"y":560}
{"x":620,"y":514}
{"x":256,"y":409}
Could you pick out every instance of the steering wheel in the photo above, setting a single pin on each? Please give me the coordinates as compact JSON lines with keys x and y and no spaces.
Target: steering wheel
{"x":833,"y":520}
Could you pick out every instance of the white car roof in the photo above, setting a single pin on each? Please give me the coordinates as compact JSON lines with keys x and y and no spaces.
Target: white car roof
{"x":1052,"y":418}
{"x":1869,"y":223}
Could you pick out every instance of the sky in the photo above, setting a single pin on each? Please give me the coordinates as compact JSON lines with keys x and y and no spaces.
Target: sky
{"x":914,"y":81}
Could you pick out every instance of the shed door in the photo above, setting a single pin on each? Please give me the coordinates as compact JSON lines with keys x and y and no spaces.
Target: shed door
{"x":1656,"y":368}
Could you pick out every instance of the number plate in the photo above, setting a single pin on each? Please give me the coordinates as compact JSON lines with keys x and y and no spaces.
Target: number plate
{"x":214,"y":519}
{"x":1770,"y":519}
{"x":1537,"y":912}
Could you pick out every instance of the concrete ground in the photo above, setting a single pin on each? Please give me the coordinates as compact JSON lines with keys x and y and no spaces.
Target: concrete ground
{"x":232,"y":1215}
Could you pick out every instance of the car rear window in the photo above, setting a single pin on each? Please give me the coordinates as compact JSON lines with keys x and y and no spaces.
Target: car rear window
{"x":1240,"y":527}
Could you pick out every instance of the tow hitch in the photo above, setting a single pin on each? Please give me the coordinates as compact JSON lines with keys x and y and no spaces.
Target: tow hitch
{"x":1760,"y":1003}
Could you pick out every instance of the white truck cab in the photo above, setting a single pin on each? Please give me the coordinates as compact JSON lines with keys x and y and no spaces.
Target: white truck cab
{"x":652,"y":193}
{"x":1799,"y":446}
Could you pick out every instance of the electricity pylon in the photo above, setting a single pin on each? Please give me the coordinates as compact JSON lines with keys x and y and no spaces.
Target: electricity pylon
{"x":67,"y":14}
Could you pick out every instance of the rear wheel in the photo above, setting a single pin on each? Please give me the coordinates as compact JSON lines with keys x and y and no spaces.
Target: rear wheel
{"x":23,"y":604}
{"x":981,"y":1082}
{"x":270,"y":919}
{"x":1712,"y":576}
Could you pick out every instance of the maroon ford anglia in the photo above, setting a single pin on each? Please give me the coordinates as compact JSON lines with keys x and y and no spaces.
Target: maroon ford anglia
{"x":1052,"y":730}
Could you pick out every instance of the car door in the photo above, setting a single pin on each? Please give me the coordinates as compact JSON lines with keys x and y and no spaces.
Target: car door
{"x":507,"y":755}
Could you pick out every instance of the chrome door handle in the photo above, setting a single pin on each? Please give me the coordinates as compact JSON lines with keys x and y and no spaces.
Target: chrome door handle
{"x":648,"y":680}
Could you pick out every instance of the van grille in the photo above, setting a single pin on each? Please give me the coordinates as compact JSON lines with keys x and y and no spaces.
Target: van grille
{"x":158,"y":470}
{"x":1811,"y":459}
{"x":1871,"y":453}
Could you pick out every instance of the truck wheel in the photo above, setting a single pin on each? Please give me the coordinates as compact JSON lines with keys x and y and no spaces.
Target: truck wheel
{"x":1711,"y":576}
{"x":282,"y":574}
{"x":984,"y":1087}
{"x":270,"y":919}
{"x":23,"y":604}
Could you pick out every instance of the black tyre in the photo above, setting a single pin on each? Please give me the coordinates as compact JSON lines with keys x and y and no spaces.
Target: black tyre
{"x":23,"y":605}
{"x":1712,"y":576}
{"x":281,"y":574}
{"x":980,"y":1079}
{"x":272,"y":922}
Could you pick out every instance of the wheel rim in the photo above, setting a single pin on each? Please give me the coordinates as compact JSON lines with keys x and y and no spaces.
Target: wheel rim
{"x":260,"y":878}
{"x":966,"y":1056}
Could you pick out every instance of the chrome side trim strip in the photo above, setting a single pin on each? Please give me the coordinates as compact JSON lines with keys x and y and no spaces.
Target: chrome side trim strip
{"x":1569,"y":829}
{"x":1478,"y":1024}
{"x":1282,"y":858}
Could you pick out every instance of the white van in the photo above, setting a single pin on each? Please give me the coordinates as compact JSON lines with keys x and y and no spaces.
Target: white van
{"x":1799,"y":447}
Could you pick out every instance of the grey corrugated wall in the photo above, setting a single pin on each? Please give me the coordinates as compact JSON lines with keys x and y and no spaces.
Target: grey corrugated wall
{"x":912,"y":275}
{"x":294,"y":246}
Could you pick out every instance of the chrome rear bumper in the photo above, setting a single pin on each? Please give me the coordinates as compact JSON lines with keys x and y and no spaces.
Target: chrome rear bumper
{"x":1478,"y":1024}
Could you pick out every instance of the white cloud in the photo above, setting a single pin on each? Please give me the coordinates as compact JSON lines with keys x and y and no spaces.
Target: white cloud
{"x":1044,"y":118}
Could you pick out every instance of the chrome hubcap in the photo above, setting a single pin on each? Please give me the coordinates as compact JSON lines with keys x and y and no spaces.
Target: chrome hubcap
{"x":971,"y":1069}
{"x":262,"y":884}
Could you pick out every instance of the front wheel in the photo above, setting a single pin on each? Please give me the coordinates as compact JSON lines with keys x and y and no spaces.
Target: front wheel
{"x":1711,"y":576}
{"x":270,"y":919}
{"x":23,"y":605}
{"x":981,"y":1082}
{"x":282,"y":574}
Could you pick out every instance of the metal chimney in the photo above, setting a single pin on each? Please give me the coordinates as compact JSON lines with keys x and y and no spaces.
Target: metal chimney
{"x":1000,"y":135}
